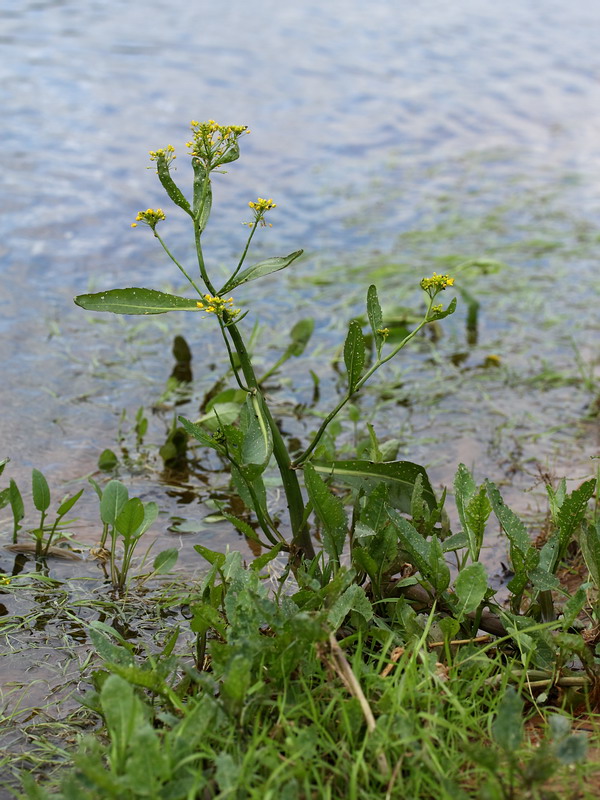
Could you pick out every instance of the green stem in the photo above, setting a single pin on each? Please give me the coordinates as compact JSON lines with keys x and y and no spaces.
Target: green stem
{"x":241,"y":261}
{"x":177,"y":264}
{"x":291,"y":486}
{"x":203,"y":272}
{"x":380,"y":361}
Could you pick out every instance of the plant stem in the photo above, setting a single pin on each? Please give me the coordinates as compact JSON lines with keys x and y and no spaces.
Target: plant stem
{"x":241,"y":261}
{"x":300,"y":535}
{"x":177,"y":264}
{"x":380,"y":361}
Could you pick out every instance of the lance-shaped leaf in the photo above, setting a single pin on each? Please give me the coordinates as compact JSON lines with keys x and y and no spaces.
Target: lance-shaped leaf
{"x":435,"y":315}
{"x":375,"y":317}
{"x":41,"y":492}
{"x":135,"y":301}
{"x":329,"y":511}
{"x":201,"y":435}
{"x":260,"y":270}
{"x":470,"y":585}
{"x":354,"y":354}
{"x":426,"y":556}
{"x":169,"y":185}
{"x":202,"y":189}
{"x":258,"y":440}
{"x":399,"y":476}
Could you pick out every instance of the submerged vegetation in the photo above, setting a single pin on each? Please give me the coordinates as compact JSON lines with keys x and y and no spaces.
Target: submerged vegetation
{"x":364,"y":651}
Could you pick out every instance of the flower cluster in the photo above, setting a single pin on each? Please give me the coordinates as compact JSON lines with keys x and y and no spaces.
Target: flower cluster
{"x":215,"y":144}
{"x":436,"y":283}
{"x":260,"y":208}
{"x":167,"y":153}
{"x":219,"y":306}
{"x":151,"y":217}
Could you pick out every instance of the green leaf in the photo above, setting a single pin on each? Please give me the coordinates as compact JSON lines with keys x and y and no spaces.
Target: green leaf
{"x":300,"y":336}
{"x":329,"y":511}
{"x":260,"y":270}
{"x":165,"y":560}
{"x":442,"y":314}
{"x":507,"y":728}
{"x":375,"y":317}
{"x":572,"y":512}
{"x":4,"y":461}
{"x":266,"y":558}
{"x":221,"y":414}
{"x":169,"y":185}
{"x":135,"y":301}
{"x":107,"y":461}
{"x":416,"y":546}
{"x":200,"y":435}
{"x":543,"y":580}
{"x":68,"y":504}
{"x":16,"y":503}
{"x":470,"y":585}
{"x":124,"y":715}
{"x":4,"y":497}
{"x":114,"y":497}
{"x":201,"y":211}
{"x":212,"y":556}
{"x":130,"y":518}
{"x":41,"y":492}
{"x":589,"y":541}
{"x":353,"y":599}
{"x":354,"y":354}
{"x":399,"y":477}
{"x":258,"y":440}
{"x":510,"y":522}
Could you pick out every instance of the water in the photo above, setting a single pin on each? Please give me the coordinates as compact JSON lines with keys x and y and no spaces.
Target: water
{"x":475,"y":121}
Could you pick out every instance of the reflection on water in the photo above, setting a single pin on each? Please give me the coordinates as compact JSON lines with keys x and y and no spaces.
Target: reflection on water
{"x":368,"y":123}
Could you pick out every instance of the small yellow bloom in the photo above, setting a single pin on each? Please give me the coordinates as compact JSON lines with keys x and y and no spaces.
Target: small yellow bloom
{"x":150,"y":217}
{"x":219,"y":306}
{"x":435,"y":284}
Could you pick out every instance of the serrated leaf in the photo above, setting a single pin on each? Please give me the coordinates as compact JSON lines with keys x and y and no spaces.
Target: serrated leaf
{"x":135,"y":301}
{"x":260,"y":270}
{"x":470,"y":585}
{"x":41,"y":491}
{"x":398,"y":476}
{"x":353,"y":599}
{"x":354,"y":354}
{"x":572,"y":512}
{"x":328,"y":510}
{"x":510,"y":522}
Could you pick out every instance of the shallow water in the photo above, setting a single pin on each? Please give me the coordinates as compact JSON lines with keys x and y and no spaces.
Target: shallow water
{"x":475,"y":125}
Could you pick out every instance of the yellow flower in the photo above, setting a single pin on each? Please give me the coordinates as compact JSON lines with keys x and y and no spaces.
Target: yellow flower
{"x":167,"y":153}
{"x":219,"y":306}
{"x":260,"y":208}
{"x":150,"y":217}
{"x":215,"y":144}
{"x":437,"y":283}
